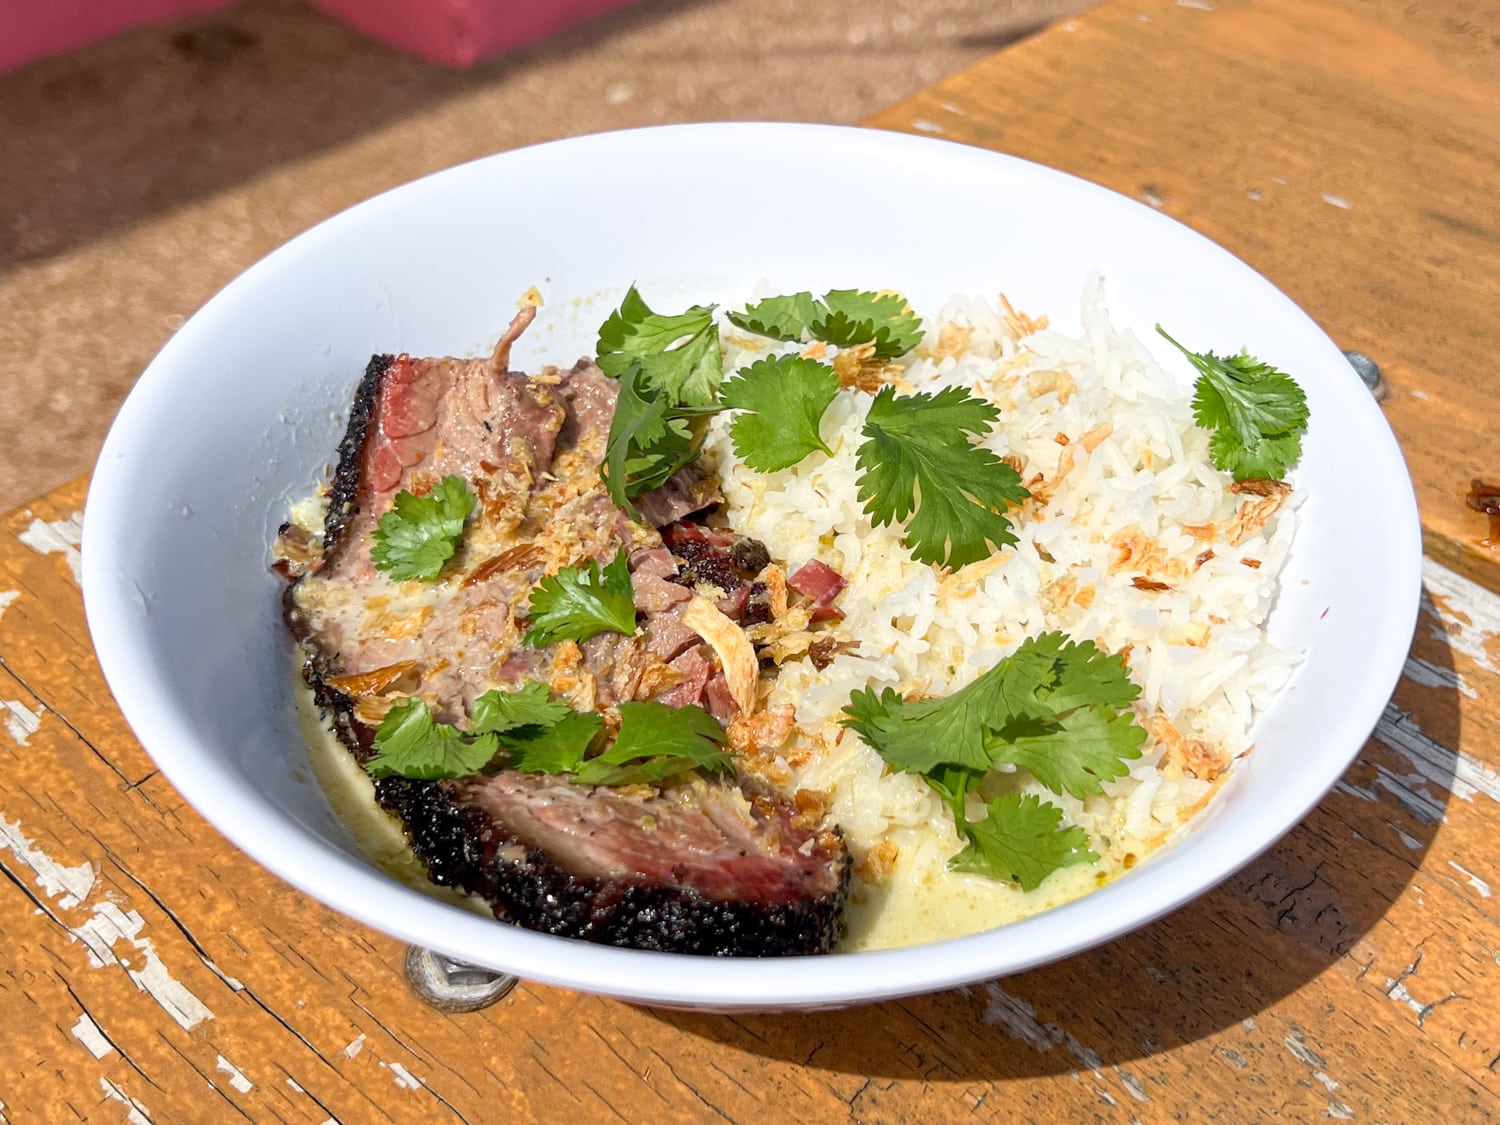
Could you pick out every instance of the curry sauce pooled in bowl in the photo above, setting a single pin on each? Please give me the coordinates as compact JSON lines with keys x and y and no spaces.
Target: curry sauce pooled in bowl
{"x":810,"y":626}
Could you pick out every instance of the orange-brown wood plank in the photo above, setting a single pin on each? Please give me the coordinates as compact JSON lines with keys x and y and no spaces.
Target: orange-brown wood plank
{"x":1355,"y":969}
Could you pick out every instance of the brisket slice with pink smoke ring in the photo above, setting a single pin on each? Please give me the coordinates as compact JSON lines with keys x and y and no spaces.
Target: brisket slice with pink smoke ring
{"x":714,"y":866}
{"x":715,"y":874}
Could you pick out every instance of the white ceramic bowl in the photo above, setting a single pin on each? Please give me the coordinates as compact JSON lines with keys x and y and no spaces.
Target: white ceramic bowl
{"x":241,"y":411}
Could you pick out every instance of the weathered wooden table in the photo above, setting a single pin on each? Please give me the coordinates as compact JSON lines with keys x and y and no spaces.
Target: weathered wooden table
{"x":1352,"y":153}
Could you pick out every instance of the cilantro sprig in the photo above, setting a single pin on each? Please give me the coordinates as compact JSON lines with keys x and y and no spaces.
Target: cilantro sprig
{"x":655,"y":742}
{"x":421,"y":533}
{"x":917,"y":458}
{"x":854,"y":317}
{"x":844,"y":317}
{"x":503,"y":712}
{"x":579,"y":602}
{"x":650,"y":438}
{"x":781,"y":401}
{"x":1054,"y":707}
{"x":411,"y":743}
{"x":1021,"y":839}
{"x":781,"y":318}
{"x":918,"y":462}
{"x":1257,"y":414}
{"x":538,"y":734}
{"x":535,"y":734}
{"x":677,"y":355}
{"x":559,"y":748}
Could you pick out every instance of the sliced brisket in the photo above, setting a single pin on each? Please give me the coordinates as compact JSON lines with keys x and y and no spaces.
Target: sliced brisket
{"x":702,"y":866}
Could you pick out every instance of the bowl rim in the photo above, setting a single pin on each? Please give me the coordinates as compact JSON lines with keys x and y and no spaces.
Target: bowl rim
{"x":1170,"y":879}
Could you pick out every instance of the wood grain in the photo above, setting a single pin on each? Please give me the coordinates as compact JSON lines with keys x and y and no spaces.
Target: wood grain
{"x":1349,"y":151}
{"x":153,"y":973}
{"x":1353,"y":970}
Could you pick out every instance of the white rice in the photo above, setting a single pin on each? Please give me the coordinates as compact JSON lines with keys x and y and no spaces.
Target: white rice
{"x":1198,"y":650}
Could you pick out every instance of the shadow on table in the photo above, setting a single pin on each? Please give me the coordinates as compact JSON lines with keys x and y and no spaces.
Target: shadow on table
{"x":122,"y":130}
{"x":1262,"y":935}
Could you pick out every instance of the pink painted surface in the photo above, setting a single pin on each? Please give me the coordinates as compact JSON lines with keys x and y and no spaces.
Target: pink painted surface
{"x":451,"y":32}
{"x":33,"y":29}
{"x":461,"y":32}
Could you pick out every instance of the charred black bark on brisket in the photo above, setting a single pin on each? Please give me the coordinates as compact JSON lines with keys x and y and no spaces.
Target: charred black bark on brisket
{"x":344,"y":489}
{"x":463,"y":847}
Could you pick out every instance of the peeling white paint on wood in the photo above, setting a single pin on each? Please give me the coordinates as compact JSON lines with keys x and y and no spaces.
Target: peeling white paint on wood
{"x":355,"y":1046}
{"x":1397,"y":992}
{"x":6,"y":597}
{"x":87,"y":1032}
{"x":1474,"y":880}
{"x":21,"y":722}
{"x":222,"y":975}
{"x":237,"y":1077}
{"x":1430,"y":675}
{"x":1448,"y":769}
{"x":137,"y":1113}
{"x":404,"y":1078}
{"x":1239,"y":1060}
{"x":1468,"y":615}
{"x":1410,"y":841}
{"x":69,"y":884}
{"x":1302,"y":1052}
{"x":109,"y":925}
{"x":1020,"y":1020}
{"x":1132,"y":1085}
{"x":61,"y":536}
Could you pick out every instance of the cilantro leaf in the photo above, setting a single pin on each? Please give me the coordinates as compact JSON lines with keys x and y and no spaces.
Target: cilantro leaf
{"x":1082,"y":675}
{"x":579,"y":602}
{"x":783,"y":399}
{"x":649,"y":440}
{"x":1270,"y":457}
{"x":655,"y":742}
{"x":555,"y":748}
{"x":676,"y":354}
{"x":420,"y":533}
{"x":852,"y":316}
{"x":919,"y":736}
{"x":1022,"y":840}
{"x":498,"y":712}
{"x":844,"y":317}
{"x":1053,"y":707}
{"x":917,"y":457}
{"x":1257,"y":413}
{"x":781,"y":318}
{"x":841,"y":329}
{"x":1074,"y":753}
{"x":410,"y":743}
